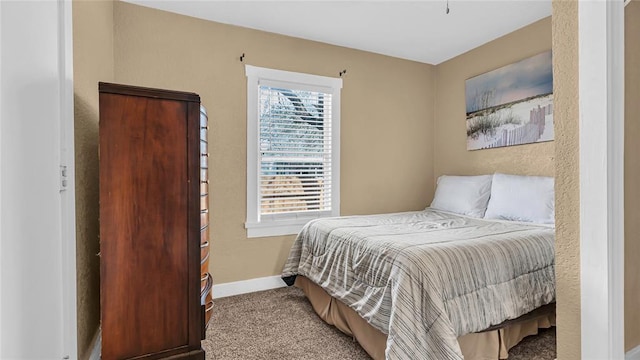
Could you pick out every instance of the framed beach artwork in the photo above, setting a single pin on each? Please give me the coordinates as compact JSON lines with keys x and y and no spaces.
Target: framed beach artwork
{"x":512,"y":105}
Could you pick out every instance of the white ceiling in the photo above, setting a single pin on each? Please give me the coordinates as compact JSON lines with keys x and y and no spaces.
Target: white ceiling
{"x":414,"y":30}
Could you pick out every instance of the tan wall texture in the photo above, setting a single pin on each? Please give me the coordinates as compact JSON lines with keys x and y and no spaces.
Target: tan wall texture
{"x":451,"y":154}
{"x":386,"y":119}
{"x":565,"y":77}
{"x":92,"y":62}
{"x":632,"y":174}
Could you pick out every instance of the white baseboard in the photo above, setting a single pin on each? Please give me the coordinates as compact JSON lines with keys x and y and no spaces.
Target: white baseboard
{"x":633,"y":354}
{"x":247,"y":286}
{"x":97,"y":346}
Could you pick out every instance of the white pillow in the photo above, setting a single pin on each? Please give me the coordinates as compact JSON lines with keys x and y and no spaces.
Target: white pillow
{"x":466,"y":195}
{"x":522,"y":198}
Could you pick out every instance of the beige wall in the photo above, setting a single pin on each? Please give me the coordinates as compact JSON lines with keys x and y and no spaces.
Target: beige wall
{"x":451,"y":155}
{"x":565,"y":77}
{"x":386,"y":119}
{"x":92,"y":62}
{"x":632,"y":174}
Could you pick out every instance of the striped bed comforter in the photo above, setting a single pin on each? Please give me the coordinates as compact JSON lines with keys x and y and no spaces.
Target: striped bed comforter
{"x":424,"y":278}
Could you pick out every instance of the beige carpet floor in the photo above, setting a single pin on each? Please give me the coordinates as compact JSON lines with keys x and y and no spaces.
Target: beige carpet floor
{"x":280,"y":324}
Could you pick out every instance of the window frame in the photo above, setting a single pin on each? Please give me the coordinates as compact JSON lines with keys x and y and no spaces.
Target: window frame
{"x":287,"y":223}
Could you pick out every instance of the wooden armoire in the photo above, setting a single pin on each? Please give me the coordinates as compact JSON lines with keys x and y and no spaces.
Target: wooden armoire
{"x":155,"y":289}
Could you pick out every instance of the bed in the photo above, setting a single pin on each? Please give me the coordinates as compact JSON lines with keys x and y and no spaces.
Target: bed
{"x":423,"y":280}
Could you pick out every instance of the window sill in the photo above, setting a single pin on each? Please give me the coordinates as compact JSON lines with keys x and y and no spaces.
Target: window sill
{"x":276,"y":227}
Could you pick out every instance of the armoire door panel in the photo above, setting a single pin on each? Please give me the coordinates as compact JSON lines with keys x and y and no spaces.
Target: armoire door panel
{"x":149,"y":217}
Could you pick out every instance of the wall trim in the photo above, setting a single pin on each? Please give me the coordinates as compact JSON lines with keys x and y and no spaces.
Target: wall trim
{"x":633,"y":354}
{"x":247,"y":286}
{"x":601,"y":108}
{"x":259,"y":225}
{"x":96,"y":349}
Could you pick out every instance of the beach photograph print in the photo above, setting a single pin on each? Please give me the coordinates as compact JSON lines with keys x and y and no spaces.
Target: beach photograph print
{"x":512,"y":105}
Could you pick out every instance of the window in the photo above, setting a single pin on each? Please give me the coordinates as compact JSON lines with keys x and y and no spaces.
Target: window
{"x":293,"y":150}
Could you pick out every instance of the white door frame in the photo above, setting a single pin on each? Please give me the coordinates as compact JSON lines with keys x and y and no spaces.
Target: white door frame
{"x":601,"y":108}
{"x":68,"y":189}
{"x":0,"y":173}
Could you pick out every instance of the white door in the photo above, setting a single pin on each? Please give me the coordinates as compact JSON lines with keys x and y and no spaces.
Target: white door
{"x":37,"y":235}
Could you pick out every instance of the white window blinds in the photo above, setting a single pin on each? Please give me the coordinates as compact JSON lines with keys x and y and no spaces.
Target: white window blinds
{"x":295,"y":150}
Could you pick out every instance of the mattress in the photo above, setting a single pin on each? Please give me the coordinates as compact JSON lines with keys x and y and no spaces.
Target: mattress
{"x":426,"y":278}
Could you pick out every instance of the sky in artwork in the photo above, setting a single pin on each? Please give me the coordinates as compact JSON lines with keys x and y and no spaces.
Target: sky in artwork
{"x":526,"y":78}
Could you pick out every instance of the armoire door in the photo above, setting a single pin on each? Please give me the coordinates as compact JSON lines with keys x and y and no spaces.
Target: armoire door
{"x":149,"y":223}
